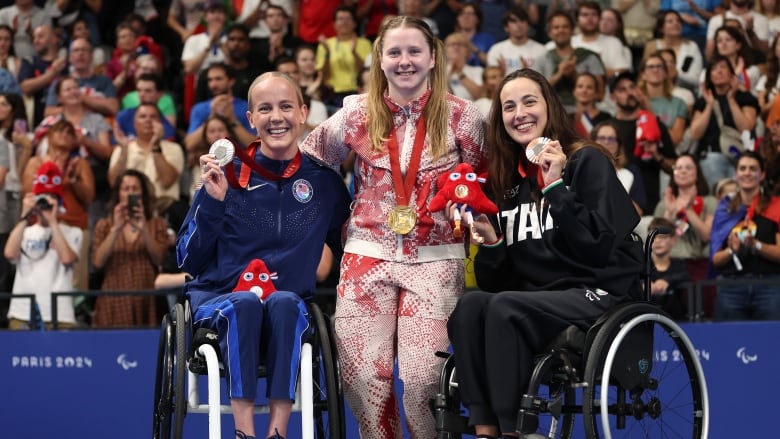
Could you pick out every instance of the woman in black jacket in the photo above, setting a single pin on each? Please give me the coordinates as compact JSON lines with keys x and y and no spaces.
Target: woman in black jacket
{"x":559,"y":252}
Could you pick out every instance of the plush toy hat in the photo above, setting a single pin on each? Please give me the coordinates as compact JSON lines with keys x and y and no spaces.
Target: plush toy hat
{"x":48,"y":180}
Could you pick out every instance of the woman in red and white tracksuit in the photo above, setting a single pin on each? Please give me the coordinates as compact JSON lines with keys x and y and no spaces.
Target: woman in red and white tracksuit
{"x":402,"y":271}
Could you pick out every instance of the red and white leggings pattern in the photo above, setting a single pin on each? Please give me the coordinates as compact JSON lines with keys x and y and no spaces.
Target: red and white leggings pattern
{"x":386,"y":309}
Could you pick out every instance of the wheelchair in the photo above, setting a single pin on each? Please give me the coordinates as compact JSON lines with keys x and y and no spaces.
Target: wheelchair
{"x":633,"y":374}
{"x":182,"y":355}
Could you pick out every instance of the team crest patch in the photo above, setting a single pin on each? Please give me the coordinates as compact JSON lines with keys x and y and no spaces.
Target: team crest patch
{"x":303,"y":191}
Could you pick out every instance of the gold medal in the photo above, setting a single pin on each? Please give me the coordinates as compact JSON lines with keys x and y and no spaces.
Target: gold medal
{"x":461,"y":191}
{"x":402,"y":219}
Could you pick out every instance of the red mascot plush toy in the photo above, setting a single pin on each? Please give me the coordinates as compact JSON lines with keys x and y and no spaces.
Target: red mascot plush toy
{"x":462,"y":186}
{"x":257,"y":278}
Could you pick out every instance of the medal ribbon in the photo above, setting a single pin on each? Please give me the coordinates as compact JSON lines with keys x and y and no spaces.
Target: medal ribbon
{"x":247,"y":158}
{"x":403,"y":186}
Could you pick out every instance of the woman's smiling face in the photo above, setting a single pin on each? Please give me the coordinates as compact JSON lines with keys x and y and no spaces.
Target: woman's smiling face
{"x":407,"y":60}
{"x":524,"y":110}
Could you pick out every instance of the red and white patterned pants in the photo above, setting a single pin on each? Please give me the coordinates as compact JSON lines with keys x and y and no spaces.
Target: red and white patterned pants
{"x":386,"y":309}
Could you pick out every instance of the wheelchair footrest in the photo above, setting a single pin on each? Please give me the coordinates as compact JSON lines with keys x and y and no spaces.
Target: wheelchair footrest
{"x":449,"y":419}
{"x":528,"y":415}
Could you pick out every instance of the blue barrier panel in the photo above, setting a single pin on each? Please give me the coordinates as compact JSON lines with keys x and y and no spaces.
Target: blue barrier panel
{"x":84,"y":384}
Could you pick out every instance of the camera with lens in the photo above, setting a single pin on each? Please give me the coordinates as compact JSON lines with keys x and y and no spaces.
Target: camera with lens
{"x":42,"y":203}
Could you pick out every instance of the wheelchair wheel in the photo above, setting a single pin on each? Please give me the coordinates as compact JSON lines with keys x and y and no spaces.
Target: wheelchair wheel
{"x":645,"y":379}
{"x":161,"y":422}
{"x":169,"y":397}
{"x":329,"y":419}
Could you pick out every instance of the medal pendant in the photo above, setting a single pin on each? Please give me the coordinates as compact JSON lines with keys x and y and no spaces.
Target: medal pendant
{"x":402,"y":219}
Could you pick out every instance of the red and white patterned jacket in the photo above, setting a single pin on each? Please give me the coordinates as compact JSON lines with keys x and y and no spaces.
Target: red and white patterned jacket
{"x":367,"y":231}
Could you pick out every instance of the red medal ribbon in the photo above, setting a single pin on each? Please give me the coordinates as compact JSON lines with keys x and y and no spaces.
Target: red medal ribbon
{"x":403,"y":186}
{"x":247,"y":158}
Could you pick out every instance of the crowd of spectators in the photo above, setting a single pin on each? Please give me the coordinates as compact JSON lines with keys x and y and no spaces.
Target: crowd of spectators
{"x":124,"y":97}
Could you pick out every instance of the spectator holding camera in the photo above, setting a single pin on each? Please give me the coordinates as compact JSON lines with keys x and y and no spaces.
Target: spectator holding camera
{"x":44,"y":251}
{"x":744,"y":245}
{"x":129,"y":244}
{"x":78,"y":185}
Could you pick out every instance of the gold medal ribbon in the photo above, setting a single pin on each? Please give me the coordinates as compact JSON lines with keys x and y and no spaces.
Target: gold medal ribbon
{"x":403,"y":218}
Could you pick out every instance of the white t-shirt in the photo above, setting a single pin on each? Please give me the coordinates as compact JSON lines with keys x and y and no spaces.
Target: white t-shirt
{"x":613,"y":53}
{"x":760,"y":24}
{"x":458,"y":89}
{"x":260,"y":30}
{"x":513,"y":54}
{"x":39,"y":272}
{"x":194,"y":45}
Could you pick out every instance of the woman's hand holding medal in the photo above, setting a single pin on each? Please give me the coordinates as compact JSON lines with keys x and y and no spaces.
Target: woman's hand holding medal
{"x":214,"y":181}
{"x":548,"y":155}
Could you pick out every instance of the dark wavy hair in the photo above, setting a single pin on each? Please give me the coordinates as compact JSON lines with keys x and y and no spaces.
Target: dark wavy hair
{"x":147,"y":192}
{"x":18,"y":111}
{"x":504,"y":152}
{"x":702,"y":188}
{"x":764,"y":196}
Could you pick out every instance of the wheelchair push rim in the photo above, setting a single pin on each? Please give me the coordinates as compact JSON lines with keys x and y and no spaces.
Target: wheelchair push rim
{"x":671,"y":401}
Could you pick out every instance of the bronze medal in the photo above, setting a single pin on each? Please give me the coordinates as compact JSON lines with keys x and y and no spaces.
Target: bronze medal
{"x":534,"y":149}
{"x":402,"y":219}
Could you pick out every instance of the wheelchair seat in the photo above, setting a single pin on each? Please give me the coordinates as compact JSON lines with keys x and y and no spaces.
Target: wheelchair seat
{"x":183,"y":356}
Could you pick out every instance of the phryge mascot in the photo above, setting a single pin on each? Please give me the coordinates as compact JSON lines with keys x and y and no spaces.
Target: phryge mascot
{"x":463,"y":186}
{"x":258,"y":279}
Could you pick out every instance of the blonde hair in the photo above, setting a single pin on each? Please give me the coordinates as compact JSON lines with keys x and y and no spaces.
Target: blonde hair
{"x":269,"y":75}
{"x":380,"y":119}
{"x":456,"y":37}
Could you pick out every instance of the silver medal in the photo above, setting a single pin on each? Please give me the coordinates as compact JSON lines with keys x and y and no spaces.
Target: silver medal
{"x":223,"y":150}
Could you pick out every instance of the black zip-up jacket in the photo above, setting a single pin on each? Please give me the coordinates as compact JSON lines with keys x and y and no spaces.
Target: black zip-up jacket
{"x":578,"y":236}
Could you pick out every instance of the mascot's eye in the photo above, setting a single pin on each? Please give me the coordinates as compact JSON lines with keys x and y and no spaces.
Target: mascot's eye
{"x":56,"y":180}
{"x":263,"y":277}
{"x":471,"y":176}
{"x":455,"y":176}
{"x":43,"y":179}
{"x":248,"y":276}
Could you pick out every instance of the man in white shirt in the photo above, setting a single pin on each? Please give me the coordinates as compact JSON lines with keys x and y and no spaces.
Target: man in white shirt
{"x":23,"y":17}
{"x":252,"y":15}
{"x":518,"y":51}
{"x":609,"y":48}
{"x":204,"y":49}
